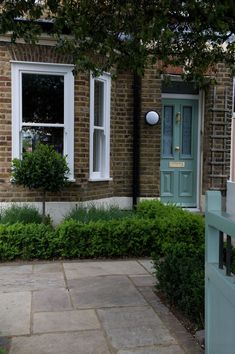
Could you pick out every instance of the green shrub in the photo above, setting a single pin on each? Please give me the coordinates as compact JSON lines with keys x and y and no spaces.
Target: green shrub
{"x":116,"y":238}
{"x":30,"y":241}
{"x":23,"y":214}
{"x":155,"y":209}
{"x":113,"y":238}
{"x":183,"y":227}
{"x":43,"y":169}
{"x":180,"y":275}
{"x":133,"y":236}
{"x":175,"y":224}
{"x":91,"y":213}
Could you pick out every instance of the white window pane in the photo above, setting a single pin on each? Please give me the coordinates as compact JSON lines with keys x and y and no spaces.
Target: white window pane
{"x":99,"y":103}
{"x":98,"y":150}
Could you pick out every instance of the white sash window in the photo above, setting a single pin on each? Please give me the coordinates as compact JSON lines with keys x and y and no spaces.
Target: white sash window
{"x":43,"y":108}
{"x":100,"y":88}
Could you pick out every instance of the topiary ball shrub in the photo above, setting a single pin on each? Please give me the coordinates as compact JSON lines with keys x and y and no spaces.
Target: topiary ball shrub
{"x":43,"y":169}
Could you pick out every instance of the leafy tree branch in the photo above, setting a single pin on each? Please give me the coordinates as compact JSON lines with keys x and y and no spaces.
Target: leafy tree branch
{"x":195,"y":34}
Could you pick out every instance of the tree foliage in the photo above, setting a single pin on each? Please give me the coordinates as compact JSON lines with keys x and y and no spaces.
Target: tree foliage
{"x":130,"y":33}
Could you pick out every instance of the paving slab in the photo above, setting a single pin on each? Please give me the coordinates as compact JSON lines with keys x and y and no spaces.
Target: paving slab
{"x":54,"y":299}
{"x":138,"y":316}
{"x":184,"y":338}
{"x":133,"y":327}
{"x":90,"y":342}
{"x":16,"y":269}
{"x":87,"y":308}
{"x":143,"y":280}
{"x":47,"y":267}
{"x":92,"y":269}
{"x":147,"y":264}
{"x":132,"y":337}
{"x":108,"y":291}
{"x":45,"y":322}
{"x":15,"y":313}
{"x":27,"y":282}
{"x":172,"y":349}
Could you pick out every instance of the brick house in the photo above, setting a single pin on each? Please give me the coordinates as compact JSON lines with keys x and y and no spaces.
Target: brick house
{"x":91,"y":121}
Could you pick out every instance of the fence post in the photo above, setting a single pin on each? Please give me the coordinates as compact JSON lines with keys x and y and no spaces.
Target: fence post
{"x":213,"y":203}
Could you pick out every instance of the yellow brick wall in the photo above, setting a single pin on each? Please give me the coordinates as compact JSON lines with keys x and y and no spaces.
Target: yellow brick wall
{"x":121,"y":143}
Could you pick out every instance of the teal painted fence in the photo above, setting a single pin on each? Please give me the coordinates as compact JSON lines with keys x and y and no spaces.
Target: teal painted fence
{"x":220,"y":288}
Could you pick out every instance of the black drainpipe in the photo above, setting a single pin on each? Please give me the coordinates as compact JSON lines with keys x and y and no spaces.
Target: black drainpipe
{"x":136,"y":138}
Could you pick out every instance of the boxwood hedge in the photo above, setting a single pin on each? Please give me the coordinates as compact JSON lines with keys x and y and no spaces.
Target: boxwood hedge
{"x":138,"y":235}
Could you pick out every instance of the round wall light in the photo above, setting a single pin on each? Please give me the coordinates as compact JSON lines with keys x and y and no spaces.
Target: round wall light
{"x":152,"y":118}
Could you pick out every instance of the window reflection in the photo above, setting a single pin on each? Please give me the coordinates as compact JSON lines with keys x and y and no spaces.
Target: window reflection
{"x":42,"y":98}
{"x":31,"y":137}
{"x":187,"y":130}
{"x":98,"y":150}
{"x":98,"y":104}
{"x":168,"y":130}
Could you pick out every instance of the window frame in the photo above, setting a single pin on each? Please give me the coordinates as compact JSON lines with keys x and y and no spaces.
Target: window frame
{"x":104,"y":173}
{"x":65,"y":70}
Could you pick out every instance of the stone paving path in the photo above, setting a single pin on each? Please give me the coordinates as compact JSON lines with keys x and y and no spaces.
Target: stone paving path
{"x":87,"y":307}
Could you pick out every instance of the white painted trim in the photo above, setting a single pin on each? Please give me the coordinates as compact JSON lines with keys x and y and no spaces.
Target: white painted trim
{"x":104,"y":173}
{"x":15,"y":109}
{"x":100,"y":179}
{"x":42,"y":63}
{"x":176,"y":96}
{"x":192,"y":210}
{"x":17,"y":68}
{"x":57,"y":125}
{"x":69,"y":120}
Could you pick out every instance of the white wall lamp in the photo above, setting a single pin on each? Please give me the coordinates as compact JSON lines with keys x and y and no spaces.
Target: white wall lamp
{"x":152,"y":118}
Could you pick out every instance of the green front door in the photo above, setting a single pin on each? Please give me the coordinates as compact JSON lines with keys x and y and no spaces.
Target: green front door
{"x":179,"y":152}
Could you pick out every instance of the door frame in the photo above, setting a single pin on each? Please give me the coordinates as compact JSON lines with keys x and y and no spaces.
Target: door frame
{"x":201,"y":102}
